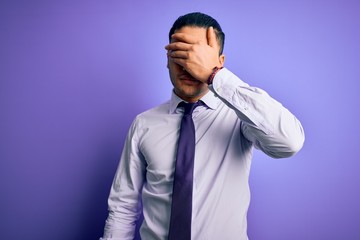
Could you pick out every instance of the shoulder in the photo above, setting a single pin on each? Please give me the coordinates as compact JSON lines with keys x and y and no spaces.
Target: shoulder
{"x":153,"y":122}
{"x":155,"y":111}
{"x":152,"y":115}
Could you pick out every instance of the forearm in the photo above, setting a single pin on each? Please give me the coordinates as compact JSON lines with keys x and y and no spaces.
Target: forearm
{"x":124,"y":198}
{"x":117,"y":228}
{"x":121,"y":221}
{"x":124,"y":212}
{"x":265,"y":122}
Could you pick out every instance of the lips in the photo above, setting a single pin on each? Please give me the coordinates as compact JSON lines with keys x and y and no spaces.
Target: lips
{"x":188,"y":77}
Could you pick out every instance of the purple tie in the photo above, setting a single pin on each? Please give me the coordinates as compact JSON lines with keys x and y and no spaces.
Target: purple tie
{"x":180,"y":221}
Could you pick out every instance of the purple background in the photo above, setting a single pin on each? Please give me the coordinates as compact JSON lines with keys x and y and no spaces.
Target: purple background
{"x":73,"y":75}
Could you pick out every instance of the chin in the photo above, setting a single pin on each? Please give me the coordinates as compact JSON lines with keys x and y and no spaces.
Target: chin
{"x":192,"y":94}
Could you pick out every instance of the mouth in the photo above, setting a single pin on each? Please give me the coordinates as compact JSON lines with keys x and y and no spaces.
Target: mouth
{"x":188,"y":78}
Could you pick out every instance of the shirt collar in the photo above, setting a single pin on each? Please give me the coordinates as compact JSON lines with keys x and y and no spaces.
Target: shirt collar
{"x":210,"y":100}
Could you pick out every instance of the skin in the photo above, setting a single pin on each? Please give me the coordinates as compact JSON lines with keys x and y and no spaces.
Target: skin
{"x":192,"y":55}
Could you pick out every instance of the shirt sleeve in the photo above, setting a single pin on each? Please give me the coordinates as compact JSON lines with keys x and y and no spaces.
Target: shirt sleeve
{"x":265,"y":122}
{"x":124,"y":198}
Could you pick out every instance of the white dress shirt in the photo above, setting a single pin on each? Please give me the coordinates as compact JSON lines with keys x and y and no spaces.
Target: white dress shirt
{"x":235,"y":119}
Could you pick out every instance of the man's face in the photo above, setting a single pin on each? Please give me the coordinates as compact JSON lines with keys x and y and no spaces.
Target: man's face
{"x":185,"y":86}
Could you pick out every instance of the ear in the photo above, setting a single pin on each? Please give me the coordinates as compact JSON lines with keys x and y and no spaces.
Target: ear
{"x":222,"y":60}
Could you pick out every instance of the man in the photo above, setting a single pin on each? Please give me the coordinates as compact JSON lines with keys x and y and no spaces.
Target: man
{"x":232,"y":118}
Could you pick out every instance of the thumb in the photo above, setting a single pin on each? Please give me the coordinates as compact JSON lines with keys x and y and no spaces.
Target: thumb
{"x":211,"y":37}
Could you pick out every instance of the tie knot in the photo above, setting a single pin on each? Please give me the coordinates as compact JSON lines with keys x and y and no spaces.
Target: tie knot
{"x":189,"y":107}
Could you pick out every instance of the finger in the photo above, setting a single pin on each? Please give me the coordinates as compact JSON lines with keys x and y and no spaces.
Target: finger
{"x":178,"y":54}
{"x":183,"y":37}
{"x":211,"y":37}
{"x":179,"y":61}
{"x":178,"y":46}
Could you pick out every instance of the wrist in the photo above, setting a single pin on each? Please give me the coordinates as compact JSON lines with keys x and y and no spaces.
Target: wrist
{"x":212,"y":75}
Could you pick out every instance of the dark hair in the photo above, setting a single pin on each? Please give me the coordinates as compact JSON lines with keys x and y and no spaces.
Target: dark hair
{"x":197,"y":19}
